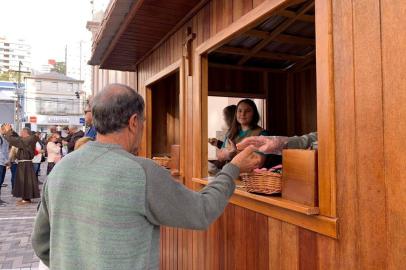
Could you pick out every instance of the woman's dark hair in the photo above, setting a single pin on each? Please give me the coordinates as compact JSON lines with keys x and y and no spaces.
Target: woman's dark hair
{"x":1,"y":140}
{"x":236,"y":127}
{"x":229,"y":113}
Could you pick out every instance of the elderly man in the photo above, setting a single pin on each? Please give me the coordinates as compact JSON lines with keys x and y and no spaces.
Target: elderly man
{"x":26,"y":185}
{"x":74,"y":135}
{"x":102,"y":206}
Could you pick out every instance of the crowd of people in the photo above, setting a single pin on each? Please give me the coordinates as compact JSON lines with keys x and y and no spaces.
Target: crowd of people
{"x":24,"y":153}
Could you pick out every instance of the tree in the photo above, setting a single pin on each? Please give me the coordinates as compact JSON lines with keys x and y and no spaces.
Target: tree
{"x":60,"y":67}
{"x":12,"y":76}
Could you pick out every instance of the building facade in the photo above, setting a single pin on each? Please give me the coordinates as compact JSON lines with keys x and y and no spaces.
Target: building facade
{"x":53,"y":99}
{"x":12,"y":52}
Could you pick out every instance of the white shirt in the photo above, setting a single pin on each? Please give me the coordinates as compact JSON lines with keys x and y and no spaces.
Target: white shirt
{"x":37,"y":158}
{"x":54,"y":152}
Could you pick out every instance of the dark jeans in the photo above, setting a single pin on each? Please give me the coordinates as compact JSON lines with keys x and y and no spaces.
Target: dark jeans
{"x":2,"y":174}
{"x":13,"y":170}
{"x":36,"y":168}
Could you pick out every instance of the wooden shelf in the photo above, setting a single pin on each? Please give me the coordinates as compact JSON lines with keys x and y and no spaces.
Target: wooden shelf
{"x":276,"y":201}
{"x":295,"y":213}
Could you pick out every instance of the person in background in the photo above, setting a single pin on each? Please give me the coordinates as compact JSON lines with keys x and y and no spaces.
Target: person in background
{"x":13,"y":165}
{"x":3,"y":162}
{"x":275,"y":144}
{"x":121,"y":221}
{"x":74,"y":135}
{"x":228,"y":116}
{"x":26,"y":185}
{"x":36,"y":161}
{"x":82,"y":141}
{"x":90,"y":129}
{"x":54,"y":151}
{"x":245,"y":124}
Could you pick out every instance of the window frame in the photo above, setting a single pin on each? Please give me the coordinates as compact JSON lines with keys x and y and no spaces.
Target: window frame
{"x":326,"y":222}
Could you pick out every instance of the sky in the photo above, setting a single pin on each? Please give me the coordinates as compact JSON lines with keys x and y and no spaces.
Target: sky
{"x":47,"y":25}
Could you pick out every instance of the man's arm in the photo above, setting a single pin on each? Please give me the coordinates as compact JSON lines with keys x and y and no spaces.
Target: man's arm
{"x":172,"y":204}
{"x":301,"y":142}
{"x":41,"y":234}
{"x":14,"y":140}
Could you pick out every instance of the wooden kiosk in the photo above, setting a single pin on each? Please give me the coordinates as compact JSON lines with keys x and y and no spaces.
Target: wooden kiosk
{"x":332,"y":66}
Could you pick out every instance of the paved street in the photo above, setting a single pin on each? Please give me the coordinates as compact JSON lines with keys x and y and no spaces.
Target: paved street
{"x":16,"y":224}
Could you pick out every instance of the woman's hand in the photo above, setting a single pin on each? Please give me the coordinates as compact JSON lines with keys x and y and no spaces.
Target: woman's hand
{"x":213,"y":141}
{"x":227,"y":153}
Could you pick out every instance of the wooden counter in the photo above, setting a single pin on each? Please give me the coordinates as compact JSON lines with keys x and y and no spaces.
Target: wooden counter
{"x":298,"y":214}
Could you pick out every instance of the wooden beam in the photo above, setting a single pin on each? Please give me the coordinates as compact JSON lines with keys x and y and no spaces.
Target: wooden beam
{"x":283,"y":38}
{"x":310,"y":57}
{"x":244,"y":68}
{"x":261,"y":54}
{"x":164,"y":73}
{"x":256,"y":16}
{"x":303,"y":17}
{"x":282,"y":27}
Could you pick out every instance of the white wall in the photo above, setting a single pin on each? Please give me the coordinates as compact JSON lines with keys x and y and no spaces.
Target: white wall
{"x":53,"y":97}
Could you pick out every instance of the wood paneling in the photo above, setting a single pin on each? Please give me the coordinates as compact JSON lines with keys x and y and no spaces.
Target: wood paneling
{"x":366,"y":42}
{"x":394,"y":127}
{"x":369,"y":133}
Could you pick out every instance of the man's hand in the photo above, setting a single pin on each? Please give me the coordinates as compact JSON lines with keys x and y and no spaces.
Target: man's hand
{"x":247,"y":160}
{"x":5,"y":128}
{"x":266,"y":145}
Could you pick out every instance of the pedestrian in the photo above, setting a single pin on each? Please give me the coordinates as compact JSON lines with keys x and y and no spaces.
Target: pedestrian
{"x":13,"y":165}
{"x":3,"y":162}
{"x":26,"y":185}
{"x":90,"y":129}
{"x":54,"y":151}
{"x":102,"y":205}
{"x":36,"y":161}
{"x":74,"y":135}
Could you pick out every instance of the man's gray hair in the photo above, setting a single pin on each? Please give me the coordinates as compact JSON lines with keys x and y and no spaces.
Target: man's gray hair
{"x":113,"y":107}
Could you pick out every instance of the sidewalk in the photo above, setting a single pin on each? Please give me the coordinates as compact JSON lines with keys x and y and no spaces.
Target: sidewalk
{"x":16,"y":223}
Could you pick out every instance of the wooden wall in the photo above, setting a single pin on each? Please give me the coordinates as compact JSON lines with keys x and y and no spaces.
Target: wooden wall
{"x":236,"y":83}
{"x":370,"y":96}
{"x":292,"y":103}
{"x":102,"y":77}
{"x":165,"y":114}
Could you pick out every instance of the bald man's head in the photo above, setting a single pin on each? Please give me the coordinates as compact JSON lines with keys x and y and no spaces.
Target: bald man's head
{"x":113,"y":107}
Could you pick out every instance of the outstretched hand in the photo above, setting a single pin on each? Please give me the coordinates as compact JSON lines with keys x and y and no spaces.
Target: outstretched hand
{"x":266,"y":145}
{"x":248,"y":160}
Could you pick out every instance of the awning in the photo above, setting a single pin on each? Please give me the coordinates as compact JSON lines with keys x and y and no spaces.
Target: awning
{"x":131,"y":28}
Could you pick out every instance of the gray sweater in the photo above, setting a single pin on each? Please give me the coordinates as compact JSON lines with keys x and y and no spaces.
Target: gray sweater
{"x":102,"y":207}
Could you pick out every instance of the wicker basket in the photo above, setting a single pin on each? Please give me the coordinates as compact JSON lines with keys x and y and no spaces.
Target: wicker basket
{"x":262,"y":182}
{"x":162,"y":161}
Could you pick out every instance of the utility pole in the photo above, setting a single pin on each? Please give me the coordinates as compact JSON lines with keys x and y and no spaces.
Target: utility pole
{"x":19,"y":98}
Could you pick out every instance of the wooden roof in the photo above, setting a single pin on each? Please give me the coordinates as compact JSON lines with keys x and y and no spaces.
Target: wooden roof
{"x":285,"y":41}
{"x":132,"y":27}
